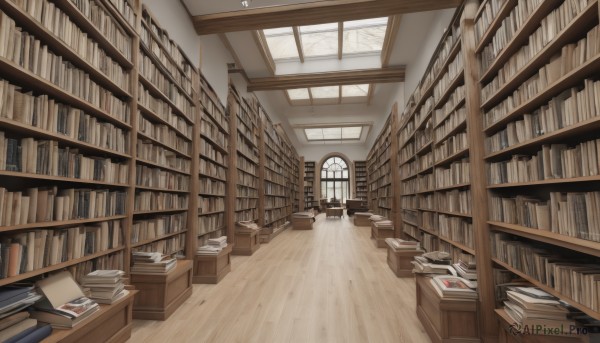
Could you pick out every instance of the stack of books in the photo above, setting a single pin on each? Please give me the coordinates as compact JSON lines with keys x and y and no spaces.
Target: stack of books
{"x":467,"y":270}
{"x":531,"y":307}
{"x":106,"y":286}
{"x":245,"y":226}
{"x":214,"y":246}
{"x":384,"y":224}
{"x":64,"y":305}
{"x":15,"y":322}
{"x":307,"y":214}
{"x":152,"y":263}
{"x":400,"y":244}
{"x":376,"y":218}
{"x":435,"y":262}
{"x":454,"y":287}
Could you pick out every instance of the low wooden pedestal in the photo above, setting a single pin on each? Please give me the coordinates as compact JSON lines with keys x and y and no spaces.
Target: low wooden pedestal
{"x":112,"y":323}
{"x":399,"y":261}
{"x":246,"y":242}
{"x":508,"y":335}
{"x":360,"y":220}
{"x":334,"y":212}
{"x":267,"y":234}
{"x":446,"y":320}
{"x":212,"y":269}
{"x":380,"y":234}
{"x":161,"y":295}
{"x":302,"y":223}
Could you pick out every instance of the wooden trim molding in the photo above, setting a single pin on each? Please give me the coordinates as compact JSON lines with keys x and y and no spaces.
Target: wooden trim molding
{"x":319,"y":12}
{"x":353,"y":77}
{"x":298,"y":43}
{"x":261,"y":42}
{"x":390,"y":37}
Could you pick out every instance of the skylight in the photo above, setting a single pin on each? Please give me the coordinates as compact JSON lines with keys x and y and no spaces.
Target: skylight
{"x":327,"y":92}
{"x":333,"y":133}
{"x":364,"y":36}
{"x":282,"y":43}
{"x":355,"y":91}
{"x":298,"y":94}
{"x":319,"y":40}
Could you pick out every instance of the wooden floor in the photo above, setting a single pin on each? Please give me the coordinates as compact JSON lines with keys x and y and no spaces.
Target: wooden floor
{"x":326,"y":285}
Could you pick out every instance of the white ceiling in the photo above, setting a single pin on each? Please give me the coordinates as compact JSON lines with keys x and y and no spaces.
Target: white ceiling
{"x":414,"y":30}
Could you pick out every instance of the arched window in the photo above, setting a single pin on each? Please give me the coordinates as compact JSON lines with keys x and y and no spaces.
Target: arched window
{"x":335,"y":179}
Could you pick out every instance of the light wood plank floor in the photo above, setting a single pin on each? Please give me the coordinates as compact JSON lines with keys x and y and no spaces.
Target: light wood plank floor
{"x":326,"y":285}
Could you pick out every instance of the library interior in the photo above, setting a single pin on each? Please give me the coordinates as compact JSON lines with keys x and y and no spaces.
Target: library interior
{"x":300,"y":171}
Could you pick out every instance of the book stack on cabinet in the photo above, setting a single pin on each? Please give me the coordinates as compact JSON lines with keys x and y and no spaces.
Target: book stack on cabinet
{"x":244,"y":169}
{"x":275,"y":202}
{"x":67,"y":148}
{"x":360,"y":180}
{"x":379,"y":171}
{"x":164,"y":201}
{"x":309,"y":186}
{"x":214,"y":167}
{"x":540,"y":109}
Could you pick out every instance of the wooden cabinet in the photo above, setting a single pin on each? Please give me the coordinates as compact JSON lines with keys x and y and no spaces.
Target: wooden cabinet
{"x":246,"y":242}
{"x":380,"y":234}
{"x":446,"y":320}
{"x":399,"y":261}
{"x":212,"y":269}
{"x":161,"y":294}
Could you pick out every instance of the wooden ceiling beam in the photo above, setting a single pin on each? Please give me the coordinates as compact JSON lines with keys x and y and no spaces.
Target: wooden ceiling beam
{"x":352,"y":77}
{"x":319,"y":12}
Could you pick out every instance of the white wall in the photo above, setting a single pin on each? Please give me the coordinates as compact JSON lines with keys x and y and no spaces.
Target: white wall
{"x":213,"y":66}
{"x":415,"y":70}
{"x":173,"y":17}
{"x":314,"y":153}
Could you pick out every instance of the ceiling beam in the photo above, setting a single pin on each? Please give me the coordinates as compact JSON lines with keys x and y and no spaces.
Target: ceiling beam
{"x":389,"y":39}
{"x":261,"y":42}
{"x":352,"y":77}
{"x":319,"y":12}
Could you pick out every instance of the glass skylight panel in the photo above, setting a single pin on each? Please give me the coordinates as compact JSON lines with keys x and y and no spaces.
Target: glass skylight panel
{"x":282,"y":43}
{"x":298,"y":94}
{"x":327,"y":92}
{"x":319,"y":40}
{"x":332,"y":133}
{"x":364,"y":36}
{"x":355,"y":90}
{"x":314,"y":134}
{"x":352,"y":132}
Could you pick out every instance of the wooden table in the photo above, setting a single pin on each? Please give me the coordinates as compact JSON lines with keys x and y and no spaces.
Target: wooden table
{"x":334,"y":212}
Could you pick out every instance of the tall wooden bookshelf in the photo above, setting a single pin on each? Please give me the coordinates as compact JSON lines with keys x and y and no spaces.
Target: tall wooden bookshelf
{"x":539,"y":110}
{"x":292,"y":163}
{"x":309,"y":186}
{"x":214,"y":166}
{"x":379,"y":171}
{"x":360,"y":180}
{"x":244,"y":155}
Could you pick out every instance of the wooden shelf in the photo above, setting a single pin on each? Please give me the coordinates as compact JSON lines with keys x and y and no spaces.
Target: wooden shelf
{"x":457,"y":129}
{"x":164,"y":145}
{"x":550,"y":290}
{"x":59,"y":178}
{"x":214,"y":143}
{"x":156,"y":239}
{"x":456,"y":156}
{"x":456,"y":107}
{"x":158,"y":189}
{"x":58,"y":224}
{"x":460,"y":185}
{"x":150,"y":87}
{"x":595,"y":178}
{"x":487,"y":37}
{"x":458,"y":245}
{"x":160,"y":166}
{"x":169,"y":210}
{"x":155,"y":117}
{"x":460,"y":78}
{"x":572,"y":243}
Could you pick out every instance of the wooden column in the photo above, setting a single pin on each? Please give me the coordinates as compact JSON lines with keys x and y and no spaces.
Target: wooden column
{"x":261,"y":171}
{"x":394,"y":169}
{"x":192,"y":223}
{"x":488,"y":321}
{"x":301,"y":198}
{"x":232,"y":175}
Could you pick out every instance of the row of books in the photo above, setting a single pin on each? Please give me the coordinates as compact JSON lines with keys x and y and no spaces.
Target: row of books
{"x":32,"y":250}
{"x":409,"y":169}
{"x":53,"y":19}
{"x":248,"y":151}
{"x":273,"y":215}
{"x":106,"y":24}
{"x":571,"y":214}
{"x":409,"y":202}
{"x":410,"y":186}
{"x":113,"y":260}
{"x":457,"y":173}
{"x":149,"y":151}
{"x":171,"y":47}
{"x":214,"y":111}
{"x":556,"y":161}
{"x":151,"y":262}
{"x":212,"y":187}
{"x":154,"y":75}
{"x":37,"y":205}
{"x":425,"y":161}
{"x":164,"y":134}
{"x":454,"y":69}
{"x":124,"y":8}
{"x":213,"y":247}
{"x":273,"y":166}
{"x":209,"y":168}
{"x":243,"y":203}
{"x":455,"y":98}
{"x":424,"y":136}
{"x":210,"y":130}
{"x":246,"y":192}
{"x":451,"y":122}
{"x":210,"y":223}
{"x":457,"y":254}
{"x":570,"y":57}
{"x":44,"y":112}
{"x":158,"y":201}
{"x":488,"y":14}
{"x":153,"y":47}
{"x":455,"y":201}
{"x":45,"y":157}
{"x":152,"y":228}
{"x":207,"y":150}
{"x":29,"y":53}
{"x":245,"y":179}
{"x":169,"y":246}
{"x":163,"y":110}
{"x":211,"y":204}
{"x":453,"y":145}
{"x":567,"y":275}
{"x":271,"y":202}
{"x":456,"y":229}
{"x":157,"y":178}
{"x":245,"y":215}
